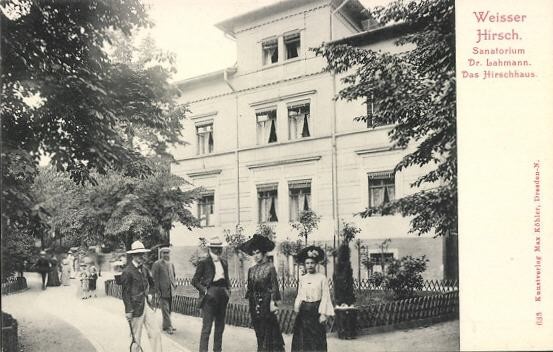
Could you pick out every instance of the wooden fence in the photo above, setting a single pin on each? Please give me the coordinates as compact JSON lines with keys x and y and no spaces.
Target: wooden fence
{"x":363,"y":285}
{"x":439,"y":305}
{"x":14,"y":284}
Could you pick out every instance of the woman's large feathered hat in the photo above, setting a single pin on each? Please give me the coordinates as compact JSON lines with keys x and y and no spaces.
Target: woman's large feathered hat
{"x":257,"y":242}
{"x":311,"y":252}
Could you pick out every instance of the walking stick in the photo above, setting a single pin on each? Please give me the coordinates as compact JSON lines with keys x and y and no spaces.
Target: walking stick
{"x":134,"y":343}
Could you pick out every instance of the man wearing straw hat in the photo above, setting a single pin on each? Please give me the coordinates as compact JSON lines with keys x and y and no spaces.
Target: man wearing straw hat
{"x":137,"y":282}
{"x":163,"y":272}
{"x":212,"y":281}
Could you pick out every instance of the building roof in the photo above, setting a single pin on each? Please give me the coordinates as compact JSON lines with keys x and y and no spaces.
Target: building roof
{"x":215,"y":75}
{"x":353,"y":8}
{"x":376,"y":35}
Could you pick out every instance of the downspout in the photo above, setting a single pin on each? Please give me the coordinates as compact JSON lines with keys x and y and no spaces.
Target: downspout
{"x":236,"y":152}
{"x":335,"y":210}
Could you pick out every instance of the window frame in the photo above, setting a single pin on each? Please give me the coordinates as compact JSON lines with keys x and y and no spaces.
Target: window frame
{"x":380,"y":176}
{"x":210,"y":215}
{"x":292,"y":188}
{"x":266,"y":139}
{"x":299,"y":104}
{"x":270,"y":189}
{"x":264,"y":42}
{"x":199,"y":146}
{"x":285,"y":44}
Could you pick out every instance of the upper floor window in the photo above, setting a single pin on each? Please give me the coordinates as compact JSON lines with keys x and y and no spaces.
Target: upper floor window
{"x":270,"y":51}
{"x":299,"y":120}
{"x":292,"y":45}
{"x":204,"y":134}
{"x":267,"y":197}
{"x":300,"y":197}
{"x":266,"y":126}
{"x":205,"y":209}
{"x":381,"y":188}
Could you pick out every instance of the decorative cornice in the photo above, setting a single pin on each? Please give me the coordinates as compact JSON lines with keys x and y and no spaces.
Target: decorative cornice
{"x":283,"y":162}
{"x":375,"y":150}
{"x":204,"y":173}
{"x":283,"y":97}
{"x":199,"y":116}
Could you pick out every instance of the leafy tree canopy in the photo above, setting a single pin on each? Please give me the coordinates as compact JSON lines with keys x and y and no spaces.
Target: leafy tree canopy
{"x":65,"y":97}
{"x":415,"y":91}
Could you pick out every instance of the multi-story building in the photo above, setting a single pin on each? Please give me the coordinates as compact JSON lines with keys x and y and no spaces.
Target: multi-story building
{"x":268,"y":139}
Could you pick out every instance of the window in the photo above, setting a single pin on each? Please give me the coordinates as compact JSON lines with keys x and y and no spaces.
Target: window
{"x":266,"y":126}
{"x":267,"y":196}
{"x":300,"y":197}
{"x":205,"y":209}
{"x":299,"y":121}
{"x":381,"y":188}
{"x":205,"y":138}
{"x":376,"y":261}
{"x":292,"y":45}
{"x":270,"y":51}
{"x":371,"y":108}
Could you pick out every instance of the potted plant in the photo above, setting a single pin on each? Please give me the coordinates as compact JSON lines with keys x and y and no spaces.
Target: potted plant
{"x":346,"y":312}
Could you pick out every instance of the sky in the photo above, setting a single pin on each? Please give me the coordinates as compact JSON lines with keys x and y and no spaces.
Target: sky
{"x":186,"y":28}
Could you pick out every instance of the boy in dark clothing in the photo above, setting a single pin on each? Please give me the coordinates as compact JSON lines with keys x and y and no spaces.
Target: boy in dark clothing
{"x":43,"y":266}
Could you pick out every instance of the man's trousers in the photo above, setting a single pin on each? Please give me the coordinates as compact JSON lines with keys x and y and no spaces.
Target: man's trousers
{"x":153,"y":328}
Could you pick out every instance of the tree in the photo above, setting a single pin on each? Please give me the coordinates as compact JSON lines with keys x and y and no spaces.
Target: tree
{"x":266,"y":230}
{"x":235,"y":239}
{"x":62,"y":96}
{"x":404,"y":276}
{"x":343,"y":275}
{"x":415,"y":90}
{"x":307,"y":221}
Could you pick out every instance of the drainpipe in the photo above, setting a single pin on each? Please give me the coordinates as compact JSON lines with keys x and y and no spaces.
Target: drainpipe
{"x":236,"y":153}
{"x":335,"y":210}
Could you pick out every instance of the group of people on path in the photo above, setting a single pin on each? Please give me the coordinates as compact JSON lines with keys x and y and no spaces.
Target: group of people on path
{"x":54,"y":272}
{"x":143,"y":291}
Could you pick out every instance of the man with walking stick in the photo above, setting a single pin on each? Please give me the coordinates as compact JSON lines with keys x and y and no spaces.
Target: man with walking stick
{"x":137,"y":283}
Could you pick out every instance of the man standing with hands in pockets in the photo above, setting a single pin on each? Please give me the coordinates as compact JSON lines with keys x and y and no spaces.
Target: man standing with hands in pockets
{"x":212,"y":281}
{"x":137,"y":281}
{"x":163,"y":272}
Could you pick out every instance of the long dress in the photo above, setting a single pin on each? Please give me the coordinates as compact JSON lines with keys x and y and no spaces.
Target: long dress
{"x":53,"y":276}
{"x":312,"y":301}
{"x":65,"y":272}
{"x":262,"y":289}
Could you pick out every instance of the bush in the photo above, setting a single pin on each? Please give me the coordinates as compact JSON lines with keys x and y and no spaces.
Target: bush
{"x":404,"y":276}
{"x":376,"y":279}
{"x":343,"y":277}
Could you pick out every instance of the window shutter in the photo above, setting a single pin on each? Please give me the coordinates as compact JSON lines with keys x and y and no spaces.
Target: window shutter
{"x":380,"y":175}
{"x":267,"y":187}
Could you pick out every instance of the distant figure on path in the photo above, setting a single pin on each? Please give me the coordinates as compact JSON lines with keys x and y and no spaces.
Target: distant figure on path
{"x":92,"y":279}
{"x":43,"y":266}
{"x":137,"y":283}
{"x":54,"y":276}
{"x":83,"y":277}
{"x":71,"y":260}
{"x":263,"y":294}
{"x":65,"y":271}
{"x":212,"y":281}
{"x":313,"y":304}
{"x":163,"y":272}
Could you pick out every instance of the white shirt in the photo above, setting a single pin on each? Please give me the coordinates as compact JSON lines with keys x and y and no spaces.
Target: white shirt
{"x":219,"y":271}
{"x":312,"y":288}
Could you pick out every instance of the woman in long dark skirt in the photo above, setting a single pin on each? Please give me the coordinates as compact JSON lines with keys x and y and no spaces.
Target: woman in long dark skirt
{"x":313,"y":304}
{"x":263,"y":295}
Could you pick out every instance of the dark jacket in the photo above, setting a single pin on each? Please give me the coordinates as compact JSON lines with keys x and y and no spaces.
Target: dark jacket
{"x":43,"y":265}
{"x":203,"y":278}
{"x":164,"y":278}
{"x":136,"y":286}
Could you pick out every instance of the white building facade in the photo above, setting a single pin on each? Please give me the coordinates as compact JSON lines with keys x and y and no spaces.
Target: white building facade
{"x":268,"y":139}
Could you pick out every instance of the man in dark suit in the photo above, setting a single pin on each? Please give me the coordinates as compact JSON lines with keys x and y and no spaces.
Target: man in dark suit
{"x":137,"y":296}
{"x":163,"y":272}
{"x":212,"y":281}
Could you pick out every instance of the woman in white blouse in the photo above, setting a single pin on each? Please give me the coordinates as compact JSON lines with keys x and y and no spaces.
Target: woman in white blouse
{"x":313,"y":304}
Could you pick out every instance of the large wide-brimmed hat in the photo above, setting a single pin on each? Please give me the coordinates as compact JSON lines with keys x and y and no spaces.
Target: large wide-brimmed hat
{"x":215,"y":242}
{"x":137,"y":247}
{"x":257,"y":242}
{"x":311,"y":252}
